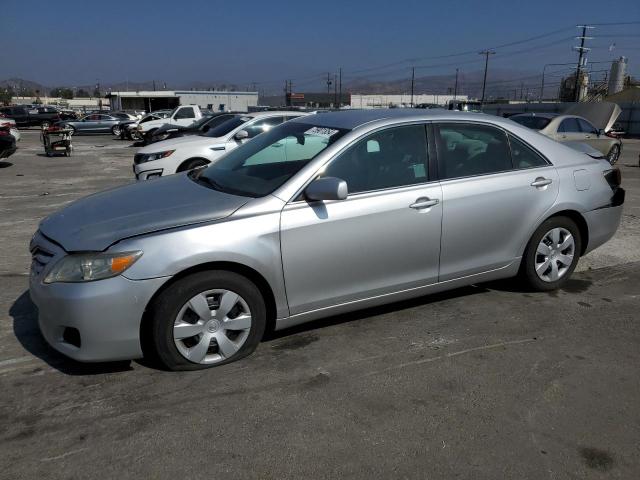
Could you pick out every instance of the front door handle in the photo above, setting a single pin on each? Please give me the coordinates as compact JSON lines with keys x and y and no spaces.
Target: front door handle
{"x":424,"y":202}
{"x":541,"y":182}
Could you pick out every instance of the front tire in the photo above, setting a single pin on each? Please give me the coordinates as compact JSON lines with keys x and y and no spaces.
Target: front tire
{"x":206,"y":319}
{"x":116,"y":130}
{"x":191,"y":164}
{"x":552,"y":254}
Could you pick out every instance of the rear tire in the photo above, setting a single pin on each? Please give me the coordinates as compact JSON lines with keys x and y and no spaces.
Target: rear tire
{"x":552,"y":254}
{"x":116,"y":130}
{"x":191,"y":164}
{"x":170,"y":309}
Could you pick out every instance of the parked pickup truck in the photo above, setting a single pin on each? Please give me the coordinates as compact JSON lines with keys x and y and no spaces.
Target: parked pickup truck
{"x":38,"y":117}
{"x":183,"y":115}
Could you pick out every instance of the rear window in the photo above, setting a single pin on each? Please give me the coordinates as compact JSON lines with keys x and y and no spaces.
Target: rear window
{"x":529,"y":121}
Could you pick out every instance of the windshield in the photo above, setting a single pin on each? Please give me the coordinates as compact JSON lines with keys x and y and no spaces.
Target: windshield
{"x":529,"y":121}
{"x":226,"y":127}
{"x":262,"y":165}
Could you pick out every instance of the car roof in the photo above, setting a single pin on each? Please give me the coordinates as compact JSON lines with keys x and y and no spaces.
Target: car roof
{"x":539,"y":115}
{"x":273,"y":113}
{"x":351,"y":119}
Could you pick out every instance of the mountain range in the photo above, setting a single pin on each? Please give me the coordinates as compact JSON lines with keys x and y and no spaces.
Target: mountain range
{"x":500,"y":83}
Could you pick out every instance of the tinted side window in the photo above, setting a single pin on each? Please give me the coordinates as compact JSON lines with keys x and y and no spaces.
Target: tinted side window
{"x":569,"y":125}
{"x":186,"y":112}
{"x":465,"y":150}
{"x":586,"y":127}
{"x":390,"y":158}
{"x":524,"y":156}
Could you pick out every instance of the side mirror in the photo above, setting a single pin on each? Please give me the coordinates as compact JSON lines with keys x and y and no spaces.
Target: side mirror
{"x":241,"y":135}
{"x":600,"y":132}
{"x":206,"y":128}
{"x":327,"y":188}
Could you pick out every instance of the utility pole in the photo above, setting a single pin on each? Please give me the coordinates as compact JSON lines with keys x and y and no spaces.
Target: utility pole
{"x":287,"y":97}
{"x":581,"y":58}
{"x":340,"y":88}
{"x":329,"y":83}
{"x":335,"y":90}
{"x":486,"y":54}
{"x":154,"y":85}
{"x":413,"y":76}
{"x":455,"y":89}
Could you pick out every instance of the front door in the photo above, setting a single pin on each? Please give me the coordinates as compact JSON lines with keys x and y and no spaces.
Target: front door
{"x":384,"y":238}
{"x":494,"y":188}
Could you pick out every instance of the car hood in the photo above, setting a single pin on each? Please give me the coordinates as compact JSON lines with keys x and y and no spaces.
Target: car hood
{"x":174,"y":143}
{"x":601,"y":114}
{"x":98,"y":221}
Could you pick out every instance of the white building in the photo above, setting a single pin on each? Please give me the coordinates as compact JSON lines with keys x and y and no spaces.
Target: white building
{"x":400,"y":100}
{"x":165,"y":99}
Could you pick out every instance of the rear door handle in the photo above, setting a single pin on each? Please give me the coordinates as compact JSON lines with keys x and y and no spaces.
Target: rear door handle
{"x":541,"y":182}
{"x":424,"y":202}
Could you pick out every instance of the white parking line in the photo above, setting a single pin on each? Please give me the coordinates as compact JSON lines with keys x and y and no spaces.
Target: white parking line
{"x":13,"y":361}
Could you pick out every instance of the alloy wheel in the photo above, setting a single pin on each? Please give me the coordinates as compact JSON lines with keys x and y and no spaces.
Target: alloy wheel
{"x":554,"y":254}
{"x":212,"y":326}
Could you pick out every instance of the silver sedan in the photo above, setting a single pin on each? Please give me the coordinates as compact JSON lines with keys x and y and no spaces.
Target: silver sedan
{"x":324,"y":214}
{"x":95,"y":123}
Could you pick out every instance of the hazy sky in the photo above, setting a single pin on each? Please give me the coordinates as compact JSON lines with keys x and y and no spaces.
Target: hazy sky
{"x":81,"y":42}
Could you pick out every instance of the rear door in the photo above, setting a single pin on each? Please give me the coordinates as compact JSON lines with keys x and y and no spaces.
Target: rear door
{"x":569,"y":131}
{"x":593,"y":138}
{"x":494,"y":188}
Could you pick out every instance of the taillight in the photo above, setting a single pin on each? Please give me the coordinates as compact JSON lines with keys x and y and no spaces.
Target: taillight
{"x":613,"y":177}
{"x":611,"y":134}
{"x":4,"y":132}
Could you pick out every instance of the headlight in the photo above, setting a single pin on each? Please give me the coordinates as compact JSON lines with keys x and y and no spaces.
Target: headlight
{"x":87,"y":267}
{"x":150,"y":157}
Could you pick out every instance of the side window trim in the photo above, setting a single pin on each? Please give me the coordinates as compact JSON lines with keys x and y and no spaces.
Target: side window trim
{"x":298,"y":197}
{"x":436,"y":147}
{"x":533,"y":149}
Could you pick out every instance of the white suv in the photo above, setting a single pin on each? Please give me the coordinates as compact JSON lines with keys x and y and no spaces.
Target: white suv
{"x":185,"y":153}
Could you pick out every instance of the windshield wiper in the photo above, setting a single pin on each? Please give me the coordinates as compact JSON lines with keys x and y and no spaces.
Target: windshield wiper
{"x":197,"y":176}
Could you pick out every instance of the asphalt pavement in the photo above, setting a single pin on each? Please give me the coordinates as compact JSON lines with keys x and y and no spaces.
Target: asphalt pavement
{"x":484,"y":382}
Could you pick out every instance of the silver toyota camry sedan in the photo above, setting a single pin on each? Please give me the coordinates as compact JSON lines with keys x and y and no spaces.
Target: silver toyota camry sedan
{"x":322,"y":215}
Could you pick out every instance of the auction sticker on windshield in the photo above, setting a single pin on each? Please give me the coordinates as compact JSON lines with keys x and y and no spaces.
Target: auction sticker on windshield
{"x":321,"y":132}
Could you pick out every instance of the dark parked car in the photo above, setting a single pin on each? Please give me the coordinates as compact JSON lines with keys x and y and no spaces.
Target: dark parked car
{"x":7,"y":143}
{"x":41,"y":116}
{"x":198,"y":127}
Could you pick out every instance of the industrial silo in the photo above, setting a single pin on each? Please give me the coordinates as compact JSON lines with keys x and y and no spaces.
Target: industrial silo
{"x":618,"y":73}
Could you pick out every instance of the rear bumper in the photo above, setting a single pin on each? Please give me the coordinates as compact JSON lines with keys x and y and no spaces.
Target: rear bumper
{"x":603,"y":222}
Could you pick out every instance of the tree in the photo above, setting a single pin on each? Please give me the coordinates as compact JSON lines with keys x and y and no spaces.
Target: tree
{"x":6,"y":94}
{"x":82,"y":93}
{"x":62,"y":92}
